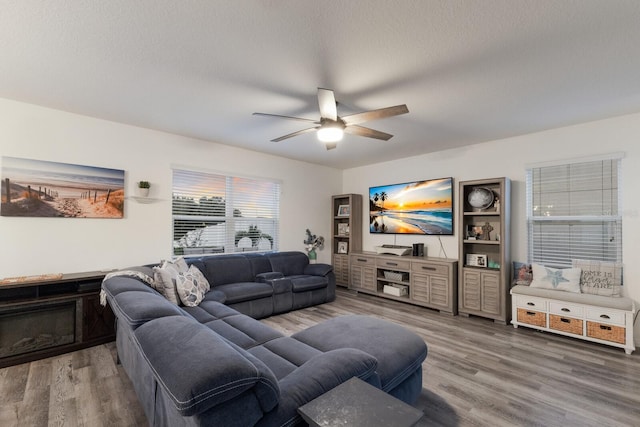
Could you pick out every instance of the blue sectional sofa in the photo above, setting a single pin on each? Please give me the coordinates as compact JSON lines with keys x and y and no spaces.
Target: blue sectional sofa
{"x":260,"y":285}
{"x":211,"y":365}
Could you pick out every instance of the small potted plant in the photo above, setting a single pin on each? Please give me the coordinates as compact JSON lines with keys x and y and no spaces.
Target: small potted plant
{"x":312,"y":243}
{"x":143,"y":188}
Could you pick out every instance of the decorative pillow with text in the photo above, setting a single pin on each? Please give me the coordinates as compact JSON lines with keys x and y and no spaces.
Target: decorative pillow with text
{"x":600,"y":277}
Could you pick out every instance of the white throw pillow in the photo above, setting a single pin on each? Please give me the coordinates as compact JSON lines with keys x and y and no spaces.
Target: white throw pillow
{"x":165,"y":282}
{"x":559,"y":279}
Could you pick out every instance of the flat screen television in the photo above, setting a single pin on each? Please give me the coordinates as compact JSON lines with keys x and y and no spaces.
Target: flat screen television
{"x":418,"y":207}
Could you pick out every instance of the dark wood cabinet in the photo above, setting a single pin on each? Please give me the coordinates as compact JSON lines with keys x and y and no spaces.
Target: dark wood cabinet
{"x":48,"y":317}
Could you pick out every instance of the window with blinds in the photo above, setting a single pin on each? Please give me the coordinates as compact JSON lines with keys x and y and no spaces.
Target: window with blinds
{"x":573,"y":212}
{"x":221,"y":214}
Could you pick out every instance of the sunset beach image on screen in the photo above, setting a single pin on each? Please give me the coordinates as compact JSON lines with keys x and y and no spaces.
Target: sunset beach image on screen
{"x":418,"y":207}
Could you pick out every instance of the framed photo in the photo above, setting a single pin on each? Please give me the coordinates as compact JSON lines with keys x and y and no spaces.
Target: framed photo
{"x":474,"y":232}
{"x":343,"y":229}
{"x":344,"y":210}
{"x":343,"y":247}
{"x":476,"y":260}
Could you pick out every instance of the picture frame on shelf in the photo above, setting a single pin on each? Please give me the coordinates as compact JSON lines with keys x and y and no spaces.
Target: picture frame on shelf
{"x":474,"y":232}
{"x":343,"y":229}
{"x":476,"y":260}
{"x":343,"y":247}
{"x":344,"y":210}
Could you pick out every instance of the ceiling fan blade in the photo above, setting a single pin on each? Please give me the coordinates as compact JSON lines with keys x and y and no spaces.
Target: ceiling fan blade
{"x":369,"y":133}
{"x":287,"y":117}
{"x":291,"y":135}
{"x":354,"y":119}
{"x":327,"y":104}
{"x":331,"y":145}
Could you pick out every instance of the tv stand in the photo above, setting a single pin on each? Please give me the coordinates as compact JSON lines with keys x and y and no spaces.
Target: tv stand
{"x":428,"y":282}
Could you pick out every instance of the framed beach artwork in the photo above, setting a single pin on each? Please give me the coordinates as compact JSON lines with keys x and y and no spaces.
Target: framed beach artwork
{"x":36,"y":188}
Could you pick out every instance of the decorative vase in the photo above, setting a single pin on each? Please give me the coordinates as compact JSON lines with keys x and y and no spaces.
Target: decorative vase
{"x":143,"y":192}
{"x":312,"y":256}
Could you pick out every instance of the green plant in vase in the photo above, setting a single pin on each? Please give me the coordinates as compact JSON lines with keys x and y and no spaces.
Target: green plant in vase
{"x":312,"y":243}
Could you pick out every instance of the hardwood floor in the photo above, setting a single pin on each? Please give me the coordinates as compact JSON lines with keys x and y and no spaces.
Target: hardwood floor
{"x":477,"y":373}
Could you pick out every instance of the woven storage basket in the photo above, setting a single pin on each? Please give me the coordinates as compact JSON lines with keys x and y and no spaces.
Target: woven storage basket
{"x":530,"y":317}
{"x":565,"y":324}
{"x":606,"y":332}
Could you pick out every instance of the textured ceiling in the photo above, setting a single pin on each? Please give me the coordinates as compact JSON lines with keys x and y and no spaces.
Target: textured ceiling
{"x":469,"y":71}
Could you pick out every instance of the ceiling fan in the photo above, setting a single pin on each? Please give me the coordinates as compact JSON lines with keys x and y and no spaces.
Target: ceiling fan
{"x":332,"y":127}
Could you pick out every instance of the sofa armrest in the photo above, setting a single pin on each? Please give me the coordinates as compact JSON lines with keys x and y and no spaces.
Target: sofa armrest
{"x":198,"y":369}
{"x":316,"y":377}
{"x":318,"y":269}
{"x":266,"y":277}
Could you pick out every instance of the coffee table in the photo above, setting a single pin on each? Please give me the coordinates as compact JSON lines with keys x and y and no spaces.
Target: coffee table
{"x":355,"y":403}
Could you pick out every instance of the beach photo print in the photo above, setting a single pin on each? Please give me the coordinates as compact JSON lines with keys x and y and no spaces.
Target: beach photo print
{"x":35,"y":188}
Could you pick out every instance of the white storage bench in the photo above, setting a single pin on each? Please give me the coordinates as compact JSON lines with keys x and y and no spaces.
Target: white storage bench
{"x":605,"y":320}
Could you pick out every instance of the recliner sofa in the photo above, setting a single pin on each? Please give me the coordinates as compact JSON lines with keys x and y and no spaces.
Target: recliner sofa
{"x":260,"y":285}
{"x":212,"y":365}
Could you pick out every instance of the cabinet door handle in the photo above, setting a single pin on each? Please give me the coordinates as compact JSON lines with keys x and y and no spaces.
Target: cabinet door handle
{"x":604,"y":316}
{"x":566,"y":310}
{"x":362,"y":260}
{"x":424,"y":267}
{"x":564,"y":320}
{"x":531,"y":303}
{"x":530,"y":313}
{"x":605,"y":328}
{"x":392,"y":263}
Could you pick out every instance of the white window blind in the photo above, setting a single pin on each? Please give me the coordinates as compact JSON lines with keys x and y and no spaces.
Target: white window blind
{"x":573,"y":212}
{"x":220,"y":214}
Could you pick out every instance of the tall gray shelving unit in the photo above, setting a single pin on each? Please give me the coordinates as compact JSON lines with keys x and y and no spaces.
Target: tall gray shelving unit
{"x":346,"y":233}
{"x":484,"y":248}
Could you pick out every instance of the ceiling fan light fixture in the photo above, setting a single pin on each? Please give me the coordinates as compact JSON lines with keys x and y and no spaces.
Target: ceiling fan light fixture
{"x":330,"y":133}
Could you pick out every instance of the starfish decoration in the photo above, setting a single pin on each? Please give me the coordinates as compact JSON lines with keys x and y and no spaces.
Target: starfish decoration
{"x":555,"y":277}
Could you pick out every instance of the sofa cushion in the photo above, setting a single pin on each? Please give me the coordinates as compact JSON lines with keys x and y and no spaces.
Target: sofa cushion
{"x":224,"y":269}
{"x":399,"y":351}
{"x":245,"y":291}
{"x":244,"y":331}
{"x":308,"y":283}
{"x":138,"y":307}
{"x":259,"y":263}
{"x":170,"y":345}
{"x":288,"y":263}
{"x":124,"y":284}
{"x":283,"y":355}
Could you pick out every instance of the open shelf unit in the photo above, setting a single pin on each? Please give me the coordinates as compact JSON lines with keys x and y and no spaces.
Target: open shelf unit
{"x":346,"y":233}
{"x":484,"y":266}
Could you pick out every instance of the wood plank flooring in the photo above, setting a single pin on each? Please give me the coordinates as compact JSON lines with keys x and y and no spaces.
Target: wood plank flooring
{"x":477,"y":373}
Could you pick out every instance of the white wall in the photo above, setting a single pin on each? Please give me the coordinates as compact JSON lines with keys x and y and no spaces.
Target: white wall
{"x":508,"y":158}
{"x":31,"y":246}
